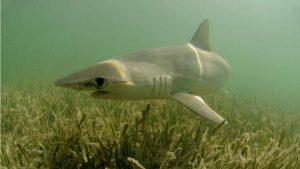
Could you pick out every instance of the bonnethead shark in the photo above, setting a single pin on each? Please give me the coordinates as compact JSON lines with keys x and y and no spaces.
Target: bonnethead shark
{"x":182,"y":72}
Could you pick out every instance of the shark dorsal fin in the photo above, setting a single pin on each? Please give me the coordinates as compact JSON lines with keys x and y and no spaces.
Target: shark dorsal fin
{"x":200,"y":38}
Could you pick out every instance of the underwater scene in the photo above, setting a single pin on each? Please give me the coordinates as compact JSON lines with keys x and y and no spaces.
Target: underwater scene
{"x":151,"y":84}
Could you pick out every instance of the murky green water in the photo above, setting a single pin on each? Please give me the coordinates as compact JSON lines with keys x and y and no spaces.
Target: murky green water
{"x":44,"y":40}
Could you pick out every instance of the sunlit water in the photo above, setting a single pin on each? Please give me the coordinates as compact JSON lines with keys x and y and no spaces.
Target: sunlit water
{"x":44,"y":40}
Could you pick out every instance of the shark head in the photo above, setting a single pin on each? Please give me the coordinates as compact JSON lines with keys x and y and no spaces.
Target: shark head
{"x":219,"y":68}
{"x":101,"y":79}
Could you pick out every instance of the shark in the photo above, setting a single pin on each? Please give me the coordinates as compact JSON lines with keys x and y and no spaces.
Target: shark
{"x":181,"y":72}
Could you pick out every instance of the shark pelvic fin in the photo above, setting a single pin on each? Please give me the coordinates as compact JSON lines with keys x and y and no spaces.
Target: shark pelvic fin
{"x":201,"y":36}
{"x":196,"y":104}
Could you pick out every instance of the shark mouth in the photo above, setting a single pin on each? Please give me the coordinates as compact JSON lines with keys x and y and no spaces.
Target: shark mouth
{"x":99,"y":93}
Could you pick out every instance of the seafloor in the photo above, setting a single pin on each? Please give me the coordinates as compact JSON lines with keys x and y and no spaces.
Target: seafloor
{"x":46,"y":127}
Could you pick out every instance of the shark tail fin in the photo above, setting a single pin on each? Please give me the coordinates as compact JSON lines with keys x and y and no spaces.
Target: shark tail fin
{"x":201,"y":36}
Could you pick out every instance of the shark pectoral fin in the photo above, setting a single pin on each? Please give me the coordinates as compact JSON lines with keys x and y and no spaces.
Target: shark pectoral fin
{"x":196,"y":104}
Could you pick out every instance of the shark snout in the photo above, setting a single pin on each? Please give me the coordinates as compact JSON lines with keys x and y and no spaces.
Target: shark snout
{"x":72,"y":84}
{"x":79,"y":81}
{"x":63,"y":83}
{"x":59,"y":82}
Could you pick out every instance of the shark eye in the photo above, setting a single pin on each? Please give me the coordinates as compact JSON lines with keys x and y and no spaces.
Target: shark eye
{"x":100,"y":82}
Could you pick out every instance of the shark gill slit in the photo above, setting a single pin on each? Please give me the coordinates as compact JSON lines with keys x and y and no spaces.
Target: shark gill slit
{"x":170,"y":84}
{"x":166,"y":89}
{"x":197,"y":57}
{"x":162,"y":86}
{"x":153,"y":86}
{"x":165,"y":86}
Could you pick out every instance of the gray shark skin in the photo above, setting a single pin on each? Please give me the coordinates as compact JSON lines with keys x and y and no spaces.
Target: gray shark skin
{"x":182,"y":72}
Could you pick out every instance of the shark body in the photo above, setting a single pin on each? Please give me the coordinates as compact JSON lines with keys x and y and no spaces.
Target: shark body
{"x":182,"y":72}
